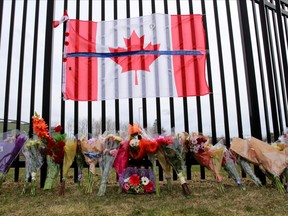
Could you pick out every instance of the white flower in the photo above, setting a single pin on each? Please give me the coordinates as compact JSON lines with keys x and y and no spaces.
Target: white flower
{"x":127,"y":179}
{"x":133,"y":143}
{"x":145,"y":180}
{"x":33,"y":176}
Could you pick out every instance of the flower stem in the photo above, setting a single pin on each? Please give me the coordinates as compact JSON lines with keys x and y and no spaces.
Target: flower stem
{"x":89,"y":187}
{"x":33,"y":187}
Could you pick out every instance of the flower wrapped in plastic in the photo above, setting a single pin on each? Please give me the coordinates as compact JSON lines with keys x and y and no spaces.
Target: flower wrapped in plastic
{"x":110,"y":146}
{"x":33,"y":152}
{"x":207,"y":155}
{"x":216,"y":154}
{"x":69,"y":155}
{"x":271,"y":161}
{"x":122,"y":158}
{"x":92,"y":150}
{"x":55,"y":156}
{"x":173,"y":148}
{"x":10,"y":146}
{"x":80,"y":161}
{"x":54,"y":148}
{"x":245,"y":155}
{"x":137,"y":180}
{"x":230,"y":166}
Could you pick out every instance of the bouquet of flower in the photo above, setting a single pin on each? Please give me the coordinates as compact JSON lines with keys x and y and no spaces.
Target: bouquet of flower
{"x":198,"y":143}
{"x":173,"y":149}
{"x":271,"y":161}
{"x":229,"y":163}
{"x":199,"y":146}
{"x":216,"y":154}
{"x":137,"y":180}
{"x":122,"y":158}
{"x":80,"y":160}
{"x":34,"y":160}
{"x":111,"y":146}
{"x":54,"y":148}
{"x":10,"y":147}
{"x":69,"y":155}
{"x":92,"y":150}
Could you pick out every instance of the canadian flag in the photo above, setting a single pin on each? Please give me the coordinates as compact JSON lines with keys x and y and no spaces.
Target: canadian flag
{"x":158,"y":55}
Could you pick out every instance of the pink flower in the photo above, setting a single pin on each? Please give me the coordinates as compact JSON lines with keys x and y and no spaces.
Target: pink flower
{"x":126,"y":186}
{"x":113,"y":152}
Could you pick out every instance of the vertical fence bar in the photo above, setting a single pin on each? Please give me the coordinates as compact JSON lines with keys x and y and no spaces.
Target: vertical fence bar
{"x":209,"y":75}
{"x":89,"y":105}
{"x":171,"y":100}
{"x":185,"y":104}
{"x":274,"y":72}
{"x":283,"y":52}
{"x":198,"y":98}
{"x":222,"y":75}
{"x":117,"y":119}
{"x":33,"y":72}
{"x":235,"y":76}
{"x":8,"y":72}
{"x":250,"y":76}
{"x":271,"y":84}
{"x":144,"y":101}
{"x":158,"y":103}
{"x":46,"y":102}
{"x":1,"y":15}
{"x":62,"y":105}
{"x":76,"y":105}
{"x":130,"y":100}
{"x":20,"y":83}
{"x":103,"y":103}
{"x":264,"y":96}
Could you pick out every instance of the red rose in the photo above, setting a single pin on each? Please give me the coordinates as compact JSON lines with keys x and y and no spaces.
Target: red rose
{"x":134,"y":180}
{"x":58,"y":128}
{"x":149,"y":187}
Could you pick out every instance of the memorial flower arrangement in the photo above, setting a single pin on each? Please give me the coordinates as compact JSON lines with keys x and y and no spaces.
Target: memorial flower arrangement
{"x":137,"y":180}
{"x":110,"y":146}
{"x":54,"y":148}
{"x":92,"y":150}
{"x":271,"y":161}
{"x":207,"y":155}
{"x":10,"y":146}
{"x":173,"y":149}
{"x":69,"y":155}
{"x":33,"y":152}
{"x":80,"y":160}
{"x":229,"y":163}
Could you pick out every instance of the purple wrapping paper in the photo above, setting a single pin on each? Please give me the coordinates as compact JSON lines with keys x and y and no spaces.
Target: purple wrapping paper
{"x":9,"y":151}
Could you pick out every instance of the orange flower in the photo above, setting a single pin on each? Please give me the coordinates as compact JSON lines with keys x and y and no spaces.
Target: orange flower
{"x":40,"y":127}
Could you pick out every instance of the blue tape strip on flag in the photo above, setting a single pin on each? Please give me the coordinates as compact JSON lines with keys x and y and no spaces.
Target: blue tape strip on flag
{"x":133,"y":53}
{"x":92,"y":155}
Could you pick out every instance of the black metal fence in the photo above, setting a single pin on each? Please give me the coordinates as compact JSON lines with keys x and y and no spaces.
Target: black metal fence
{"x":246,"y":71}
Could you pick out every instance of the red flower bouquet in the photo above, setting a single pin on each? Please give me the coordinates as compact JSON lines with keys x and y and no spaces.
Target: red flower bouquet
{"x":54,"y":148}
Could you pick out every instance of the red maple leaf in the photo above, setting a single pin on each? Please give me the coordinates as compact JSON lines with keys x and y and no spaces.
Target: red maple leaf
{"x":135,"y":62}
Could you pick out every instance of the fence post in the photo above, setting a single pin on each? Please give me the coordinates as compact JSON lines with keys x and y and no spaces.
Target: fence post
{"x":283,"y":48}
{"x":47,"y":76}
{"x":250,"y":77}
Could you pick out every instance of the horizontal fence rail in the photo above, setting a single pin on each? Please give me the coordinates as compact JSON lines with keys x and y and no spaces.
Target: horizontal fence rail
{"x":246,"y":70}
